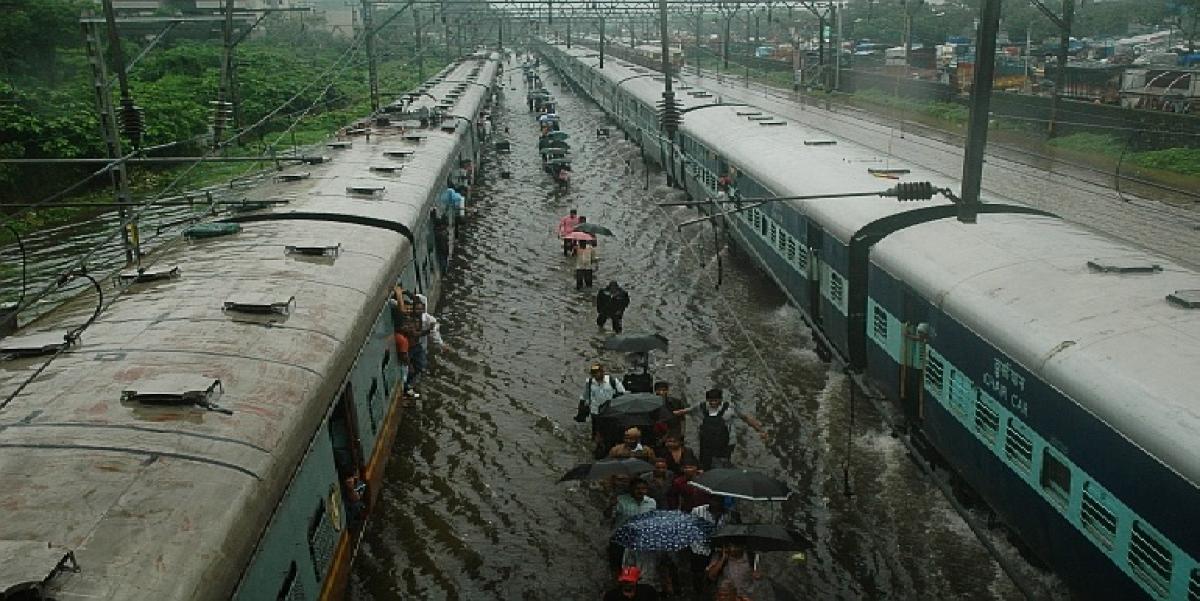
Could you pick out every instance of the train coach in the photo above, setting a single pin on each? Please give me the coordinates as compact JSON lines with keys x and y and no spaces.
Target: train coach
{"x":220,"y":428}
{"x":1051,"y":367}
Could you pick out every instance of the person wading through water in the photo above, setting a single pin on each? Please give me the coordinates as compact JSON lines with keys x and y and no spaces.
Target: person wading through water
{"x":716,"y":421}
{"x":611,"y":303}
{"x":598,"y":390}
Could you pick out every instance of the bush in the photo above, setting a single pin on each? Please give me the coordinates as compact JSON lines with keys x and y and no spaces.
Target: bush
{"x":1178,"y":160}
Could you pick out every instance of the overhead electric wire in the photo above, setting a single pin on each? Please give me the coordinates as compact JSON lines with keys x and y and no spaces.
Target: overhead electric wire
{"x":15,"y":217}
{"x":82,"y":259}
{"x":1155,"y":208}
{"x":137,"y":211}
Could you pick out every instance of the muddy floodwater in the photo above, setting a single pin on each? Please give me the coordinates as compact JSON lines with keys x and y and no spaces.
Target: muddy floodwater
{"x":471,"y":508}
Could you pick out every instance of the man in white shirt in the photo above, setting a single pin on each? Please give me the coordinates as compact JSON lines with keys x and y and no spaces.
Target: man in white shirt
{"x":598,"y":390}
{"x":418,"y":353}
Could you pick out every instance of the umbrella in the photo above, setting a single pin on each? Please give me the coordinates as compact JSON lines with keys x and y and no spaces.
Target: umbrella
{"x":636,"y":343}
{"x":605,"y":468}
{"x":742,"y":484}
{"x":762,"y":537}
{"x":662,"y":531}
{"x":579,"y":236}
{"x":616,"y":423}
{"x":592,"y":228}
{"x":638,"y":402}
{"x":559,"y":135}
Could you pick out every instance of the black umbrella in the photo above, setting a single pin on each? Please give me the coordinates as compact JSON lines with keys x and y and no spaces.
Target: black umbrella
{"x":593,"y":229}
{"x":613,"y":424}
{"x":762,"y":537}
{"x":638,"y":402}
{"x":742,"y":484}
{"x":607,"y":467}
{"x":636,"y":343}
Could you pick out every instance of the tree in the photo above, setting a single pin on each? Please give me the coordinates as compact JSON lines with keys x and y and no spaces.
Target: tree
{"x":1187,"y":20}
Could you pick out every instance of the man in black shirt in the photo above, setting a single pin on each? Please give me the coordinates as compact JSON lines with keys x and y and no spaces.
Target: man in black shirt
{"x":611,"y":303}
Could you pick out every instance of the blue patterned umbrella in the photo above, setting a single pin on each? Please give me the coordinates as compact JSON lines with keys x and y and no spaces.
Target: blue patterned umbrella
{"x":662,"y":531}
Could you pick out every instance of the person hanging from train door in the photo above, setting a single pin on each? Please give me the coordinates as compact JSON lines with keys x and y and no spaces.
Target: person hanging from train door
{"x":426,"y":330}
{"x":441,"y":239}
{"x":716,"y":428}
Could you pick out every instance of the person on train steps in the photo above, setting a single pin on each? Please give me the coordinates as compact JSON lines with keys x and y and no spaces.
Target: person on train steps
{"x":429,"y":330}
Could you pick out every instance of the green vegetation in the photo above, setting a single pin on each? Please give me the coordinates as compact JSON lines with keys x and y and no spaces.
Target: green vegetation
{"x":1175,"y":160}
{"x":1104,"y":144}
{"x":948,"y":112}
{"x":1184,"y":161}
{"x":47,"y":107}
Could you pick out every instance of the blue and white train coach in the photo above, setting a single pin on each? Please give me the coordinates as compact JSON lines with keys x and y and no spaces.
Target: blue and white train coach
{"x":1052,"y":367}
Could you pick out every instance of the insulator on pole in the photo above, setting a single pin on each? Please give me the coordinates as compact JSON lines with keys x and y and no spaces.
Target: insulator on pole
{"x":133,"y":122}
{"x":913,"y":191}
{"x":670,"y":115}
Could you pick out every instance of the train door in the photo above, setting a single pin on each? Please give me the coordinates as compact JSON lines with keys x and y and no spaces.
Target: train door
{"x":913,"y":318}
{"x":348,"y":453}
{"x":813,"y":242}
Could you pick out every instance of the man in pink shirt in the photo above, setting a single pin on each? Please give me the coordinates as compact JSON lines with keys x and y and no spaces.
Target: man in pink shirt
{"x":567,"y":225}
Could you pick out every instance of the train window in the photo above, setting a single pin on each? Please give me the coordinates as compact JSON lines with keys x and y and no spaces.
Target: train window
{"x":1018,"y":448}
{"x":387,"y":358}
{"x":371,"y":394}
{"x":1096,"y":518}
{"x":960,"y":392}
{"x":987,"y":421}
{"x":790,"y":251}
{"x":879,"y":319}
{"x":290,"y":589}
{"x":836,"y":288}
{"x":1194,"y":586}
{"x":315,"y":526}
{"x":1150,"y":560}
{"x":802,"y":259}
{"x":1056,"y":478}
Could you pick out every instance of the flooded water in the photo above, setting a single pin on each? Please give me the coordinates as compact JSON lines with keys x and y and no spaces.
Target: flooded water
{"x":471,"y":508}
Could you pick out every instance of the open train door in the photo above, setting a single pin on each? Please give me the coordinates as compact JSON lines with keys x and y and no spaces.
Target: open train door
{"x":912,"y":358}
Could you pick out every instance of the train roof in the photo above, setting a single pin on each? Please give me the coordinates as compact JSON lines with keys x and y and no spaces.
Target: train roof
{"x":1109,"y":339}
{"x":168,"y":502}
{"x":786,"y":157}
{"x":645,"y":84}
{"x":792,"y":159}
